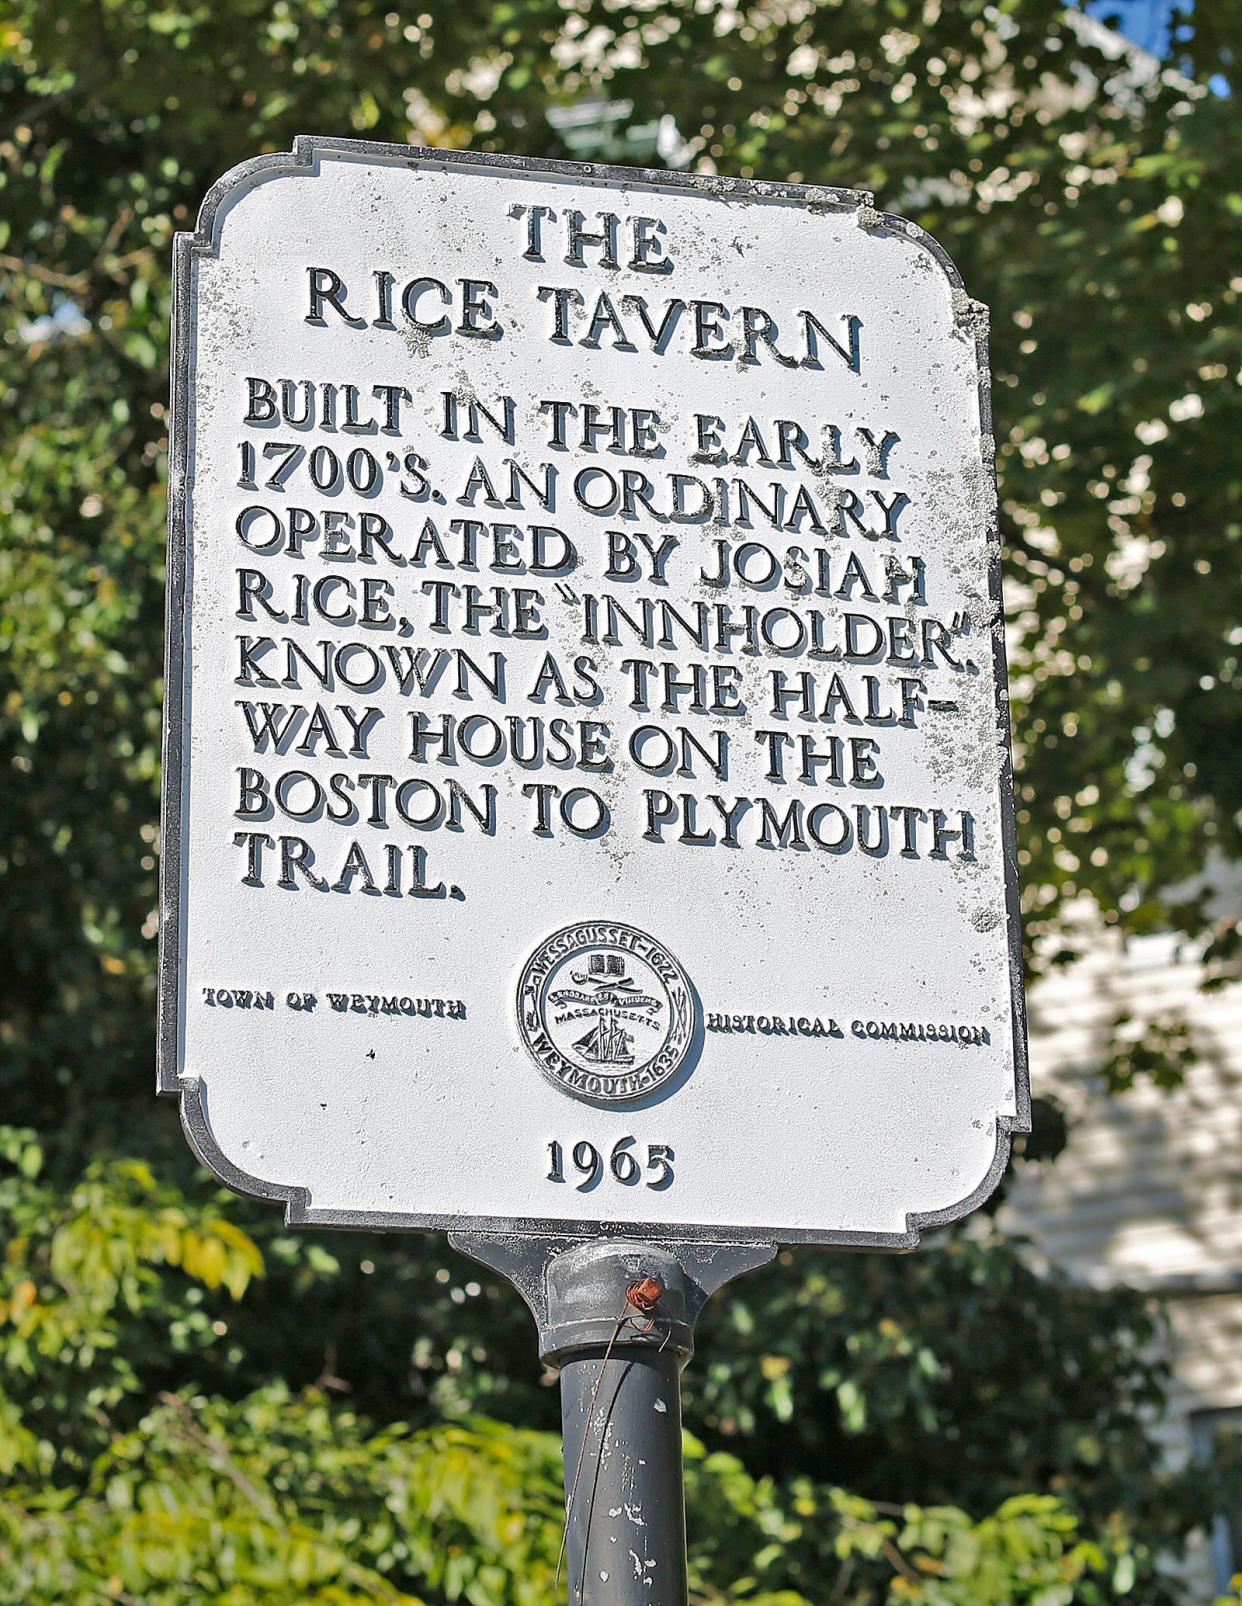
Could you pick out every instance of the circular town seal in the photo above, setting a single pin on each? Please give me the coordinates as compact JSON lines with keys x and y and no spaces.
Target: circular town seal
{"x":606,"y":1012}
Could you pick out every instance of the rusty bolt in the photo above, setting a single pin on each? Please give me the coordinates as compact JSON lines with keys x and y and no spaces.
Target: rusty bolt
{"x":645,"y":1295}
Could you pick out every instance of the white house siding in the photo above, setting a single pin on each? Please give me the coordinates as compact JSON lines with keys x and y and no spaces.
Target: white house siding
{"x":1149,"y":1189}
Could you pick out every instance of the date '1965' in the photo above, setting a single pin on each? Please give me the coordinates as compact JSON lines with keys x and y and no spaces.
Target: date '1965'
{"x":622,"y":1165}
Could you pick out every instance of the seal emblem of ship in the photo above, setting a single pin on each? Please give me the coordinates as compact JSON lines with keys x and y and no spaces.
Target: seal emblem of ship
{"x":606,"y":1012}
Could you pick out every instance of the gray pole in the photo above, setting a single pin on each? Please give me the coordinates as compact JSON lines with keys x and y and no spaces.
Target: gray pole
{"x":617,"y":1319}
{"x":625,"y":1538}
{"x":620,"y":1337}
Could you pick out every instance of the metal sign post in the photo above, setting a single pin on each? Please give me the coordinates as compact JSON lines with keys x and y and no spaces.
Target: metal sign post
{"x":617,"y":1319}
{"x":588,"y":822}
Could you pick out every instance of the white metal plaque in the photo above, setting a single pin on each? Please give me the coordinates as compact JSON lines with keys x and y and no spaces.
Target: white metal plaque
{"x":587,"y":773}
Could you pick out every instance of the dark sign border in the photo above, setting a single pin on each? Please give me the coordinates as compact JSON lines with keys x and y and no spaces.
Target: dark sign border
{"x":299,"y":1211}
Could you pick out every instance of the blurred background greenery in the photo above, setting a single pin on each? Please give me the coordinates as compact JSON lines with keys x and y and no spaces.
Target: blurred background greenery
{"x":199,"y":1406}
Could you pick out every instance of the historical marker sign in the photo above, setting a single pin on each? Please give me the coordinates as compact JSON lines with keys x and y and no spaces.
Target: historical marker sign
{"x":588,"y":795}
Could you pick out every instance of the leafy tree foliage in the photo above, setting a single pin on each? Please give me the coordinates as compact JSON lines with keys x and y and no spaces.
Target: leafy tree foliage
{"x":193,"y":1402}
